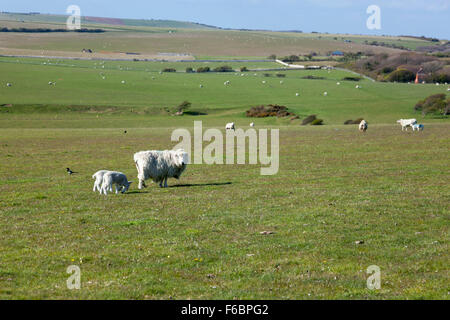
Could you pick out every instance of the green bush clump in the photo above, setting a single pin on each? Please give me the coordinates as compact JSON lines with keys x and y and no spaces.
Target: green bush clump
{"x":203,"y":69}
{"x":223,"y":69}
{"x":435,"y":104}
{"x":402,"y":75}
{"x":309,"y":119}
{"x":317,"y":122}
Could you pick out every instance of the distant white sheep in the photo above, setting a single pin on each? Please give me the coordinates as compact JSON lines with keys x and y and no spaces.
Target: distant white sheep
{"x":325,"y":93}
{"x":118,"y":179}
{"x":417,"y":127}
{"x":405,"y":123}
{"x":160,"y":165}
{"x":358,"y":86}
{"x":8,"y":84}
{"x":297,"y":94}
{"x":252,"y":124}
{"x":363,"y":126}
{"x":338,"y":83}
{"x":230,"y":126}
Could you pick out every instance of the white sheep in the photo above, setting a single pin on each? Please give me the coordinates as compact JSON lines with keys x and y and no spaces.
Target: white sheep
{"x":418,"y":127}
{"x":160,"y":165}
{"x":363,"y":126}
{"x":8,"y":84}
{"x":230,"y":126}
{"x":98,"y":176}
{"x":252,"y":124}
{"x":297,"y":94}
{"x":338,"y":83}
{"x":118,"y":179}
{"x":406,"y":122}
{"x":325,"y":93}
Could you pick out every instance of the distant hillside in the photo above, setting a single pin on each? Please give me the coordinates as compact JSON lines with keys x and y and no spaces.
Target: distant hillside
{"x":54,"y":18}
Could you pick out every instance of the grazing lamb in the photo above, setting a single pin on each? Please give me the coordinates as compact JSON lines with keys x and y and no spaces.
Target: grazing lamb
{"x":118,"y":179}
{"x":252,"y":124}
{"x":418,"y":127}
{"x":98,"y":176}
{"x":406,"y":122}
{"x":230,"y":126}
{"x":160,"y":165}
{"x":325,"y":93}
{"x":8,"y":84}
{"x":363,"y":126}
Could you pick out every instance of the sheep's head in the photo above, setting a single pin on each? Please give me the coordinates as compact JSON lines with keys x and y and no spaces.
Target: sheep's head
{"x":399,"y":121}
{"x":181,"y":157}
{"x":126,"y":186}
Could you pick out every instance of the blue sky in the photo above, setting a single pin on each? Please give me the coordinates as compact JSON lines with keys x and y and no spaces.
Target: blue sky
{"x":398,"y":17}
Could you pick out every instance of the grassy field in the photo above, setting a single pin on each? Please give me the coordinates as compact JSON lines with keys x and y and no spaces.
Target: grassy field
{"x":200,"y":238}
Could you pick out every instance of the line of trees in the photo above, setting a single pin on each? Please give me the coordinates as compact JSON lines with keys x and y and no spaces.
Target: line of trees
{"x":47,"y":30}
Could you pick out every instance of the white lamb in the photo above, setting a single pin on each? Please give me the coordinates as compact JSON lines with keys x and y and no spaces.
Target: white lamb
{"x":230,"y":126}
{"x":160,"y":165}
{"x":118,"y":179}
{"x":98,"y":176}
{"x":418,"y":127}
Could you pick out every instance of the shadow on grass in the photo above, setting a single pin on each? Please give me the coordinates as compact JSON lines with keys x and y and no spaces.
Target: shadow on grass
{"x":199,"y":184}
{"x":182,"y":186}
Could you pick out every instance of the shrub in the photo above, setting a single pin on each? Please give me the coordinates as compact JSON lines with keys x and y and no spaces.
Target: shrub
{"x":357,"y":121}
{"x":308,"y":119}
{"x":317,"y":122}
{"x":402,"y":75}
{"x":267,"y":75}
{"x":313,"y":77}
{"x":387,"y":70}
{"x":180,"y":109}
{"x":351,"y":78}
{"x":281,"y":75}
{"x":223,"y":69}
{"x":189,"y":70}
{"x":270,"y":110}
{"x":435,"y":104}
{"x":169,"y":70}
{"x":272,"y":57}
{"x":203,"y":69}
{"x":243,"y":69}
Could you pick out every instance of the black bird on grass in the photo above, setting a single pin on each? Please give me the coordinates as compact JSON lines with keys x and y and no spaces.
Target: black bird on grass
{"x":70,"y":172}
